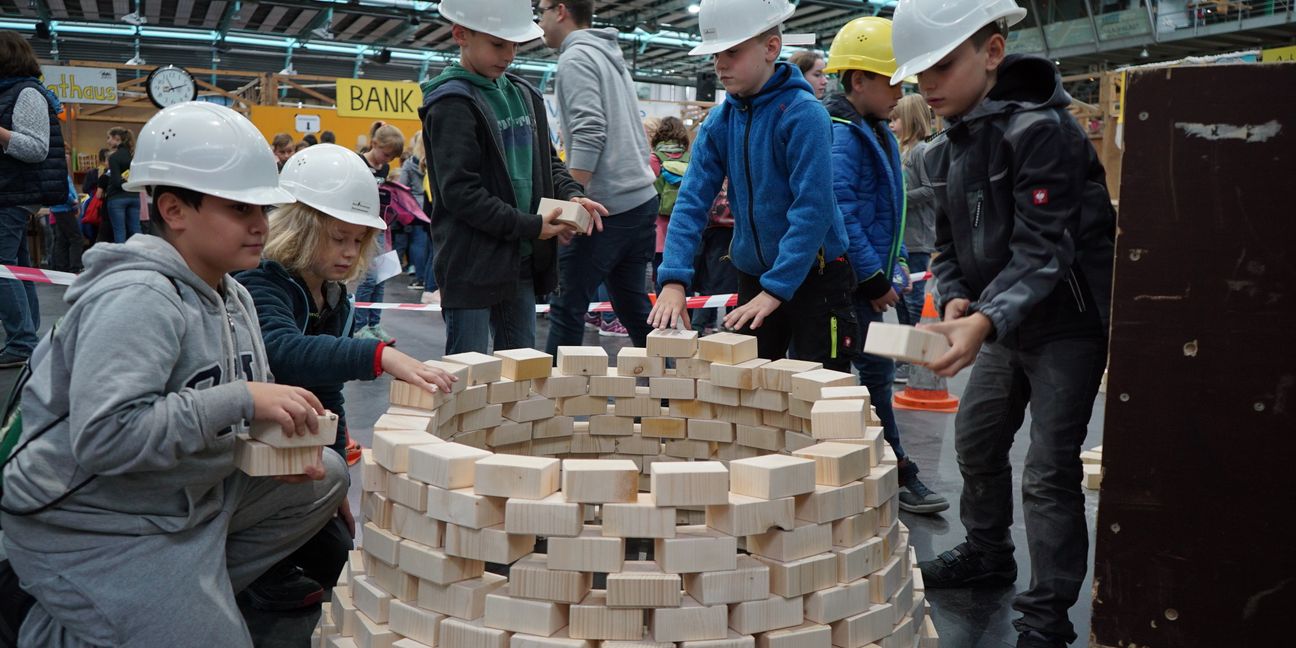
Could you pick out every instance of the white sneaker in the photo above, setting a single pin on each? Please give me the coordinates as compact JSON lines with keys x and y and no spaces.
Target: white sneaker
{"x":433,"y":297}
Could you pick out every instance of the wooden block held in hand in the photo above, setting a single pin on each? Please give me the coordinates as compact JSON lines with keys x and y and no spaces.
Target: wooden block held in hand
{"x":672,"y":343}
{"x":572,"y":213}
{"x":582,"y":361}
{"x":272,"y":434}
{"x":525,"y":364}
{"x":727,"y":348}
{"x":517,"y":476}
{"x":772,"y":476}
{"x":905,"y":343}
{"x":257,"y":459}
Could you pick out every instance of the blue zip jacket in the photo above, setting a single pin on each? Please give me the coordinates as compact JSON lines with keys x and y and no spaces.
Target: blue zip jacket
{"x":869,"y":185}
{"x":322,"y":363}
{"x":773,"y":147}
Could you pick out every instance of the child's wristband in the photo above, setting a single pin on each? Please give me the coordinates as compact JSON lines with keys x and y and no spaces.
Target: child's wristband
{"x":378,"y":370}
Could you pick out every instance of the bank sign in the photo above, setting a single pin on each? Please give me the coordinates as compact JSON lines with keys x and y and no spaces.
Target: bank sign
{"x":378,"y":99}
{"x":81,"y":84}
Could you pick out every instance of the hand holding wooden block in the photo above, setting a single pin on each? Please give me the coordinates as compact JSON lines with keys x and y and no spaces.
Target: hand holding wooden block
{"x":272,"y":434}
{"x":572,"y":213}
{"x":257,"y":459}
{"x":906,"y":343}
{"x":672,"y":343}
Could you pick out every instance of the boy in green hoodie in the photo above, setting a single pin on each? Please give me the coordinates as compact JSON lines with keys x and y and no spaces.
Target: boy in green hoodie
{"x":491,"y":165}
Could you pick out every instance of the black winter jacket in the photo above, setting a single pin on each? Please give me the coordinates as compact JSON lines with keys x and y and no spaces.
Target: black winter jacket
{"x":476,"y":224}
{"x":1025,"y":228}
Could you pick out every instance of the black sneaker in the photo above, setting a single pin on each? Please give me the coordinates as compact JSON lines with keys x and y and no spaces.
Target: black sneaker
{"x":915,"y":497}
{"x":963,"y":566}
{"x":1032,"y":639}
{"x":902,"y":372}
{"x":283,"y":588}
{"x":9,"y":360}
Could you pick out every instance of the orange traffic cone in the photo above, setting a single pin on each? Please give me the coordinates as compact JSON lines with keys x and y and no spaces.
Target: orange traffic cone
{"x":926,"y":391}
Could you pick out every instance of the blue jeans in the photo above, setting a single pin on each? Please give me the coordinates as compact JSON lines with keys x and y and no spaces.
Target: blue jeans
{"x":123,"y":213}
{"x":19,"y":309}
{"x":368,"y":291}
{"x":877,"y":373}
{"x":429,"y":277}
{"x":511,"y":323}
{"x":419,"y":249}
{"x":616,"y":257}
{"x":912,"y":312}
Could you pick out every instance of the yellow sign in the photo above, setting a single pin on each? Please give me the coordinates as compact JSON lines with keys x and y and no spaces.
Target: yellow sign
{"x":1278,"y":54}
{"x":378,"y":99}
{"x":81,"y":84}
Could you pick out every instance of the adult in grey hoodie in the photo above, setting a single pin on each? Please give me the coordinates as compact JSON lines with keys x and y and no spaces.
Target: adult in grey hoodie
{"x":143,"y":387}
{"x":607,"y":152}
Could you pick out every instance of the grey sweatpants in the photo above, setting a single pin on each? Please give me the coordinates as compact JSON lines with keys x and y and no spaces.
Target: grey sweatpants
{"x":172,"y":590}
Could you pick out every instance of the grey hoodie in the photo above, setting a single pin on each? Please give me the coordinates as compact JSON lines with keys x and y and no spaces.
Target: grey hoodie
{"x":601,"y":124}
{"x":150,"y":367}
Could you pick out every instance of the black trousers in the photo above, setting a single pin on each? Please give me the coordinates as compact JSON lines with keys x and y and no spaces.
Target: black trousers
{"x":817,"y":324}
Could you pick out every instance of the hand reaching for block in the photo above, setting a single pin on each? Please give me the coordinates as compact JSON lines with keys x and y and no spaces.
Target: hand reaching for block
{"x":403,"y":367}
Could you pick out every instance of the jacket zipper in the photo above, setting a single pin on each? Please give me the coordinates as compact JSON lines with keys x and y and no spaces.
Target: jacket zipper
{"x":751,"y":197}
{"x":1074,"y":284}
{"x":976,"y":214}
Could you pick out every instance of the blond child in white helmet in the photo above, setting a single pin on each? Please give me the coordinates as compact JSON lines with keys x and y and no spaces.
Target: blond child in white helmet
{"x":1024,"y":238}
{"x":316,"y":245}
{"x":124,"y":515}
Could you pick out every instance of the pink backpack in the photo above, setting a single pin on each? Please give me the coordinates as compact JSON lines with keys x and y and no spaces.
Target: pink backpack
{"x":399,"y":204}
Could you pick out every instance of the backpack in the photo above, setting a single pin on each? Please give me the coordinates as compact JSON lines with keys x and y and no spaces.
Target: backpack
{"x":399,"y":204}
{"x":669,"y":180}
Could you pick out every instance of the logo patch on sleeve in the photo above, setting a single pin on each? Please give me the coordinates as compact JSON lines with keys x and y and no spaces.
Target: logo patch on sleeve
{"x":1039,"y":196}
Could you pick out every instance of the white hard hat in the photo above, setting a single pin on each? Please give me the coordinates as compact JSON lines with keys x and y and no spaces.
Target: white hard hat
{"x":926,"y":31}
{"x":336,"y":181}
{"x":206,"y":148}
{"x":510,"y":20}
{"x":725,"y":23}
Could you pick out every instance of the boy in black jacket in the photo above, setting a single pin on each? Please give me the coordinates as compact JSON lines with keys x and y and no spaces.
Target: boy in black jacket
{"x":1025,"y":243}
{"x":490,"y":162}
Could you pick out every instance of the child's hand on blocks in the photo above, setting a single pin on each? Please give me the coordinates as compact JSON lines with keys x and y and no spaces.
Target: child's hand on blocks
{"x":965,"y":334}
{"x":293,"y":408}
{"x":669,"y":310}
{"x":403,"y":367}
{"x":754,"y":311}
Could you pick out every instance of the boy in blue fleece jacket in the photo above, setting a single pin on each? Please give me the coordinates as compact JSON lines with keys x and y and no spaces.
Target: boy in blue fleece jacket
{"x":771,"y":138}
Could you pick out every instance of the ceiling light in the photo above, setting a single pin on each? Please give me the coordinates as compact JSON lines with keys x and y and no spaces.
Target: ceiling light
{"x":1144,"y":53}
{"x":694,"y":8}
{"x":136,"y":60}
{"x":133,"y":18}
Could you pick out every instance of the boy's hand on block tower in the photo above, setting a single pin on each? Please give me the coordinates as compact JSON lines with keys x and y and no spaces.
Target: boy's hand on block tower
{"x":293,"y":408}
{"x":403,"y":367}
{"x":754,"y":311}
{"x":965,"y":335}
{"x":669,"y":311}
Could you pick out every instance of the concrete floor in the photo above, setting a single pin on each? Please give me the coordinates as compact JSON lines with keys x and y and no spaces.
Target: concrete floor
{"x":964,"y":618}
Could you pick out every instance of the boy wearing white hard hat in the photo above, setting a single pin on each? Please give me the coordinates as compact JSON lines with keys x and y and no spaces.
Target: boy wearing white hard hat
{"x":124,"y":515}
{"x":490,"y":161}
{"x":772,"y":139}
{"x":1025,"y":269}
{"x":315,"y":247}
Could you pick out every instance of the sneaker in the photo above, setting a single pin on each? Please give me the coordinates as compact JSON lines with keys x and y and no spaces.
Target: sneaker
{"x":593,"y":320}
{"x":10,"y":360}
{"x":416,"y":285}
{"x":964,"y":566}
{"x":612,"y":329}
{"x":433,"y":297}
{"x":381,"y":335}
{"x":902,"y":372}
{"x":364,"y":333}
{"x":353,"y":451}
{"x":284,"y":587}
{"x":915,"y":497}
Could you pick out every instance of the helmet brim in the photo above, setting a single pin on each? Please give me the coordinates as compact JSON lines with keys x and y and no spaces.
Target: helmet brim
{"x":258,"y":196}
{"x":923,"y":62}
{"x":532,"y":32}
{"x":363,"y":220}
{"x":707,"y":49}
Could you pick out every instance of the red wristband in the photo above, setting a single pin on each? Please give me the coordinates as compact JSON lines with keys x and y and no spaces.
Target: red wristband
{"x":378,"y":370}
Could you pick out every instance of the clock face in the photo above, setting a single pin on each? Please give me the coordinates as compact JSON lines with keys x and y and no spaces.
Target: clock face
{"x":171,"y":85}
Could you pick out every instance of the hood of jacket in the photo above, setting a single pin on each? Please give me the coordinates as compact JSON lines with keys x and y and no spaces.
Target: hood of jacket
{"x":785,"y":80}
{"x":1024,"y":83}
{"x":603,"y":41}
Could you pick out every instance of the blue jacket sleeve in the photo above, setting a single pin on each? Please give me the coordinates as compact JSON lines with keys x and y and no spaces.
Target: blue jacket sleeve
{"x":300,"y":359}
{"x":806,"y":132}
{"x":702,"y":182}
{"x":854,"y":185}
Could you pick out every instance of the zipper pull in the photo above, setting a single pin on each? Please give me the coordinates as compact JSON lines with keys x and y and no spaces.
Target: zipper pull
{"x":976,"y":216}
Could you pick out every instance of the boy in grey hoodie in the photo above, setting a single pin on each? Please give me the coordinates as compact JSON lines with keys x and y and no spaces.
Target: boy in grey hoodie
{"x":607,"y":152}
{"x":123,"y":513}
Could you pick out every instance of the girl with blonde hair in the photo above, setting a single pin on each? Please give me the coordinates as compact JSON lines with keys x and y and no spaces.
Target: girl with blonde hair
{"x":911,"y":123}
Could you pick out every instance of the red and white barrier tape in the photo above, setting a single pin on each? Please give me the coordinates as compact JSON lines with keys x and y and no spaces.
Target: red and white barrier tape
{"x":36,"y":275}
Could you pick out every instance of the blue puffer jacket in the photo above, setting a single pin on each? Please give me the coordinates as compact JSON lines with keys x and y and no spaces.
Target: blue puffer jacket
{"x":773,"y":148}
{"x":869,"y":186}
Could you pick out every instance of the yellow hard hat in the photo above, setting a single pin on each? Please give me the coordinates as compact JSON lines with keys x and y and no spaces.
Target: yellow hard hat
{"x":863,"y":44}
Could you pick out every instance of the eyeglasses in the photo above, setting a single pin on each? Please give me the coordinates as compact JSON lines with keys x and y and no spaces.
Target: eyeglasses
{"x":541,"y":11}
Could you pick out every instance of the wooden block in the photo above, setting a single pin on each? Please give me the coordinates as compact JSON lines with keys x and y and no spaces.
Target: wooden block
{"x":639,"y":405}
{"x":642,"y":584}
{"x":401,"y":585}
{"x":610,"y":425}
{"x":492,"y":544}
{"x":803,"y":575}
{"x":717,"y":431}
{"x":672,"y":388}
{"x":863,"y":629}
{"x":663,"y":427}
{"x":1087,"y":457}
{"x":759,"y":436}
{"x":903,"y":600}
{"x":801,"y":409}
{"x":1093,"y":476}
{"x":709,"y":392}
{"x":642,"y":643}
{"x":806,"y":635}
{"x":772,"y":476}
{"x":858,"y":562}
{"x":472,"y":634}
{"x":829,"y":503}
{"x":465,"y":507}
{"x":403,"y":394}
{"x":480,"y":419}
{"x":593,"y":619}
{"x":886,"y":581}
{"x":930,"y":638}
{"x":534,"y":408}
{"x":732,"y":451}
{"x":436,"y":565}
{"x":839,"y":419}
{"x":572,"y":213}
{"x":693,"y":368}
{"x":415,"y":623}
{"x":890,"y":537}
{"x":852,"y":530}
{"x":688,"y":449}
{"x":690,"y":483}
{"x":583,"y":405}
{"x":727,"y":348}
{"x":836,"y":464}
{"x":644,"y":518}
{"x":391,"y":447}
{"x":809,"y":385}
{"x":472,"y":398}
{"x":764,"y":399}
{"x":272,"y":434}
{"x":731,"y":640}
{"x":508,"y":433}
{"x":637,"y":363}
{"x":553,"y":427}
{"x":525,"y":364}
{"x":881,"y":485}
{"x":904,"y":343}
{"x":372,"y":634}
{"x":373,"y":478}
{"x":531,"y":578}
{"x":561,"y":386}
{"x":794,"y":441}
{"x":690,"y":621}
{"x":505,"y":390}
{"x":836,"y":603}
{"x":672,"y":343}
{"x":745,"y":515}
{"x":257,"y":459}
{"x":696,"y":549}
{"x":344,"y":610}
{"x":692,"y":409}
{"x":599,"y":481}
{"x":612,"y":385}
{"x":844,"y":392}
{"x":381,"y":543}
{"x":802,"y":541}
{"x":560,"y":639}
{"x":523,"y":615}
{"x":482,"y":369}
{"x":590,"y":551}
{"x":777,"y":375}
{"x":411,"y":524}
{"x":637,"y":445}
{"x":407,"y":492}
{"x":771,"y":613}
{"x":445,"y":465}
{"x":376,"y":508}
{"x":370,"y":599}
{"x":739,"y":415}
{"x":743,"y":375}
{"x":517,"y":476}
{"x":550,"y":516}
{"x":465,"y":599}
{"x":903,"y":635}
{"x":582,"y":361}
{"x":593,"y":445}
{"x":749,"y":582}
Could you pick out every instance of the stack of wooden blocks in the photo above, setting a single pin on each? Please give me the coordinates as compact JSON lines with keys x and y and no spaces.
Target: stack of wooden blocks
{"x":1092,"y":463}
{"x":763,"y":489}
{"x":267,"y":450}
